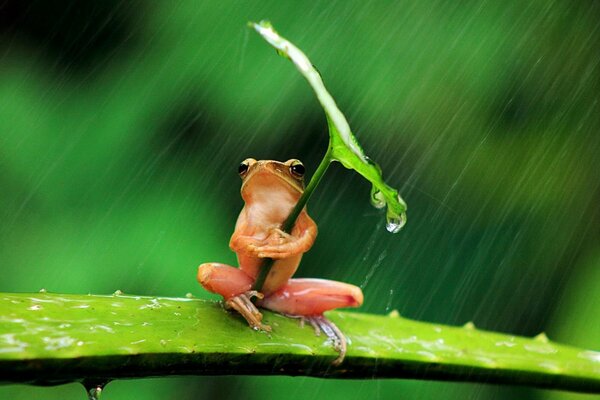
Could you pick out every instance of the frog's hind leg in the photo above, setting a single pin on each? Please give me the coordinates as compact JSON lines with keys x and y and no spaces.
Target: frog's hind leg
{"x":224,"y":279}
{"x":234,"y":285}
{"x":306,"y":297}
{"x":310,"y":298}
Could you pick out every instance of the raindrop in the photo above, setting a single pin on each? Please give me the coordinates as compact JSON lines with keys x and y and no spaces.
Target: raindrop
{"x":189,"y":295}
{"x":542,"y":338}
{"x":469,"y":325}
{"x":395,"y":222}
{"x":388,"y":307}
{"x":43,"y":290}
{"x":118,"y":292}
{"x":94,"y":388}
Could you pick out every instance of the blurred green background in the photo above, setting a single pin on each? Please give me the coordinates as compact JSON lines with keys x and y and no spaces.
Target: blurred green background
{"x":122,"y":125}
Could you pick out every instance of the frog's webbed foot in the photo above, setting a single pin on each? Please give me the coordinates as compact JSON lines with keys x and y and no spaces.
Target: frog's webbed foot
{"x":320,"y":323}
{"x":243,"y":305}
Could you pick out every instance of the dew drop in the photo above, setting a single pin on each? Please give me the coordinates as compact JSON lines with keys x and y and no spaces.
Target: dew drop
{"x":43,"y":290}
{"x":118,"y":292}
{"x":189,"y":296}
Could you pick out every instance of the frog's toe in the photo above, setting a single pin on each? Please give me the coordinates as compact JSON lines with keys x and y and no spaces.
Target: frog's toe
{"x":321,"y":324}
{"x":242,"y":304}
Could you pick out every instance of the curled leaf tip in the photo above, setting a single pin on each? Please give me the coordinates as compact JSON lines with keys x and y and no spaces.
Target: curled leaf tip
{"x":343,"y":145}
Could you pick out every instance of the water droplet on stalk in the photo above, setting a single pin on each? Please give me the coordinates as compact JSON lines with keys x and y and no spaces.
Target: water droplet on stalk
{"x":469,"y":325}
{"x":94,"y":389}
{"x":542,"y":338}
{"x":94,"y":393}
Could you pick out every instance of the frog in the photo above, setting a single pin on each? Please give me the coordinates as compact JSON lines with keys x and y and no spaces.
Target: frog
{"x":270,"y":190}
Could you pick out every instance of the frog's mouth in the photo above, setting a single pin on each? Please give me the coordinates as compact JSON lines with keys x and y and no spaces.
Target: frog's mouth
{"x":269,"y":178}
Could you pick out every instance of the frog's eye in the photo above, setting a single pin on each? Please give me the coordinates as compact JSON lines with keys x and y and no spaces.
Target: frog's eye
{"x":243,"y":168}
{"x":245,"y":165}
{"x":297,"y":169}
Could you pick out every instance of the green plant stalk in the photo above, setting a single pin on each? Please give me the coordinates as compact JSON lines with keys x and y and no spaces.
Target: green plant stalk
{"x":343,"y":146}
{"x":57,"y":338}
{"x":288,"y":224}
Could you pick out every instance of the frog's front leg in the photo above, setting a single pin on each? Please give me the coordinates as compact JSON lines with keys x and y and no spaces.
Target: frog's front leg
{"x":235,"y":287}
{"x":279,"y":244}
{"x":310,"y":298}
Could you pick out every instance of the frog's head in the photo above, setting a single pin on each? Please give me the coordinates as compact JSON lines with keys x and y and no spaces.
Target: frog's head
{"x":271,"y":177}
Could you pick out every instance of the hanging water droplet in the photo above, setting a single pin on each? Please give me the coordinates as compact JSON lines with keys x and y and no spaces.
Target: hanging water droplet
{"x":94,"y":393}
{"x":396,"y":211}
{"x":94,"y":389}
{"x":395,"y":222}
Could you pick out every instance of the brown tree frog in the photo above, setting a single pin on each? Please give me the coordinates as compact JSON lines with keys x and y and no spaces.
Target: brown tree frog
{"x":270,"y":190}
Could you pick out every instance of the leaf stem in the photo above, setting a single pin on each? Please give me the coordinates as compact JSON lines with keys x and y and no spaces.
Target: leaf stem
{"x":288,"y":224}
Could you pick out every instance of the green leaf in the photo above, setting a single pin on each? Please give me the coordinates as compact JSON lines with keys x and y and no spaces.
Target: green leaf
{"x":342,"y":143}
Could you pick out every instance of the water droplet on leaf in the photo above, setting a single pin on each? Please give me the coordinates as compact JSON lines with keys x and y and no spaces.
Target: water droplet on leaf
{"x":395,"y":222}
